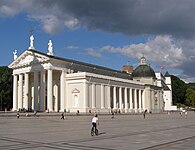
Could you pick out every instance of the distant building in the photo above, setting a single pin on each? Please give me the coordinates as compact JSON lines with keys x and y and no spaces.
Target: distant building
{"x":127,"y":69}
{"x":168,"y":94}
{"x":43,"y":82}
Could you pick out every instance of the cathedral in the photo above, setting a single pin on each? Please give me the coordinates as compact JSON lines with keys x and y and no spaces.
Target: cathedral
{"x":44,"y":82}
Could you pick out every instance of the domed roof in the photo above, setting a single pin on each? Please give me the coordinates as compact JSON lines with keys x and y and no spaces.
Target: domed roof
{"x":144,"y":71}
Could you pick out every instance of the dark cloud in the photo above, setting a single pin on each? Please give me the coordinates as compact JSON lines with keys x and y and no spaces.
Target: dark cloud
{"x":132,"y":17}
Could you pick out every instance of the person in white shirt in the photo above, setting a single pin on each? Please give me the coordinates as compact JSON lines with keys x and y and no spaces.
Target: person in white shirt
{"x":95,"y":121}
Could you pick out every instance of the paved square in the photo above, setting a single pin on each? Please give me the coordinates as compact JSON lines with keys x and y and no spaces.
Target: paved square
{"x":156,"y":131}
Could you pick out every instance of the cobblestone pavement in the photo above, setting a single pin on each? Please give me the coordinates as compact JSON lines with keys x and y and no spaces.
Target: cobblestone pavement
{"x":125,"y":132}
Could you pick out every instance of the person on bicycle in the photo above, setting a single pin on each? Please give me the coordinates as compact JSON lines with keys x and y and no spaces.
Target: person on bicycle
{"x":95,"y":121}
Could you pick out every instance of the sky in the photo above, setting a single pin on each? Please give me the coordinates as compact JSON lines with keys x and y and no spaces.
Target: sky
{"x":108,"y":33}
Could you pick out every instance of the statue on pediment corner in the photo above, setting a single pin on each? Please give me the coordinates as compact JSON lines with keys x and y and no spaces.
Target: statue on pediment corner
{"x":31,"y":42}
{"x":50,"y":48}
{"x":15,"y":54}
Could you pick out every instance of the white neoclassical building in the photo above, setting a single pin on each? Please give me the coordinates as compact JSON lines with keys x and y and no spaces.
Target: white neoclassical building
{"x":44,"y":82}
{"x":165,"y":82}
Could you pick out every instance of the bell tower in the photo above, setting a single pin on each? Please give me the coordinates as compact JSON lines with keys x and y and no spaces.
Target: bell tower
{"x":143,"y":61}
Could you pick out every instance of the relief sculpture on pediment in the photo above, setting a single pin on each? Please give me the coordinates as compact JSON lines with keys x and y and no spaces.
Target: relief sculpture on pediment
{"x":30,"y":60}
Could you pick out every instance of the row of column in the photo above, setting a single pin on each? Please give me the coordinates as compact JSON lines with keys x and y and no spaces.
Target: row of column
{"x":135,"y":103}
{"x":104,"y":96}
{"x":20,"y":100}
{"x":22,"y":96}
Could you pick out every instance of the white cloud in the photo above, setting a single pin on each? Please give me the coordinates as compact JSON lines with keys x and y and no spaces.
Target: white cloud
{"x":72,"y":47}
{"x":11,"y":8}
{"x":93,"y":52}
{"x":161,"y":49}
{"x":177,"y":55}
{"x":50,"y":23}
{"x":71,"y":23}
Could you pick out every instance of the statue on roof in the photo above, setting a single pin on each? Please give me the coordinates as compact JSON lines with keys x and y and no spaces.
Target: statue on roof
{"x":15,"y":54}
{"x":50,"y":48}
{"x":31,"y":40}
{"x":143,"y":60}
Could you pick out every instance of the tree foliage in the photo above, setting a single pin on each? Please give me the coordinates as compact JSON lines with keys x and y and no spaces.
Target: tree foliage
{"x":183,"y":94}
{"x":190,"y":97}
{"x":179,"y":88}
{"x":6,"y":89}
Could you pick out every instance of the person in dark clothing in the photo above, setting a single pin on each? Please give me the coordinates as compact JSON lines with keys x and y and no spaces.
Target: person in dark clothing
{"x":112,"y":112}
{"x":144,"y":113}
{"x":18,"y":114}
{"x":62,"y":116}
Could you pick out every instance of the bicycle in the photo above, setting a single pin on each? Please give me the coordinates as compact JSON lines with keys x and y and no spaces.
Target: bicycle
{"x":94,"y":131}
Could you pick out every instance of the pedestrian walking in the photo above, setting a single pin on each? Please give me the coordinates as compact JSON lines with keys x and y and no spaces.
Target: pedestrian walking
{"x":186,"y":113}
{"x":18,"y":114}
{"x":62,"y":116}
{"x":144,"y":113}
{"x":112,"y":112}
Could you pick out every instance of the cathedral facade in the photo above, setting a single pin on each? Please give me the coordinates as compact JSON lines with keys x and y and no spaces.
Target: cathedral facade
{"x":44,"y":82}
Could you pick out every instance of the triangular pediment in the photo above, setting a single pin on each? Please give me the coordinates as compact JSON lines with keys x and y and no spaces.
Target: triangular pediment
{"x":28,"y":58}
{"x":75,"y":91}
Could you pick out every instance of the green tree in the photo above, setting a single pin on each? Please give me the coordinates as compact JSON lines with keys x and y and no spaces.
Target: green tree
{"x":179,"y":88}
{"x":190,"y":97}
{"x":6,"y":89}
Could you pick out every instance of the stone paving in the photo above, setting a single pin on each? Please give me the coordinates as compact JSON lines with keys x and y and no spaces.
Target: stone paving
{"x":124,"y":132}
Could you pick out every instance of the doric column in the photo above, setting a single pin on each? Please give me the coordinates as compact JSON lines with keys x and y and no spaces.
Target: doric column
{"x":114,"y":97}
{"x":120,"y":97}
{"x":140,"y":101}
{"x":102,"y":96}
{"x":35,"y":91}
{"x":143,"y":100}
{"x":130,"y":99}
{"x":20,"y":91}
{"x":49,"y":90}
{"x":86,"y":90}
{"x":152,"y":105}
{"x":108,"y":97}
{"x":93,"y":96}
{"x":56,"y":97}
{"x":135,"y":99}
{"x":26,"y":91}
{"x":62,"y":90}
{"x":15,"y":92}
{"x":42,"y":91}
{"x":126,"y":104}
